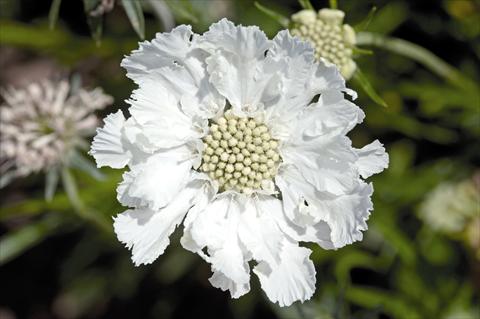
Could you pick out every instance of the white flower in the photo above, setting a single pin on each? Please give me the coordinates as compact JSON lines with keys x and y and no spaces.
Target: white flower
{"x":451,"y":206}
{"x":227,"y":137}
{"x":332,"y":40}
{"x":42,"y":123}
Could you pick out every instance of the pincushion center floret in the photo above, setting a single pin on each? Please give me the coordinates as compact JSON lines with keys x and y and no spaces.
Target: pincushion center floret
{"x":239,"y":153}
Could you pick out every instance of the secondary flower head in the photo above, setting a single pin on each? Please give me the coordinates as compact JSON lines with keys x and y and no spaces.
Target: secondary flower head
{"x":332,"y":40}
{"x":41,"y":123}
{"x":450,"y":207}
{"x":243,"y":140}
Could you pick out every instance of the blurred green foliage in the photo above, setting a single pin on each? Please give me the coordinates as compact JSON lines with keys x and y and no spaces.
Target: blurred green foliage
{"x":62,"y":261}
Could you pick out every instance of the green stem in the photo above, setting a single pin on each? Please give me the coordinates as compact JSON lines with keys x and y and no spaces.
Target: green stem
{"x":300,"y":311}
{"x":53,"y":13}
{"x":418,"y":54}
{"x":16,"y":242}
{"x":333,"y":4}
{"x":71,"y":189}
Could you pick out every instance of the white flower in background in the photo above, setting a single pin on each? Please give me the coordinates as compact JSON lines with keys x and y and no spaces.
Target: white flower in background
{"x":450,"y":206}
{"x":42,"y":123}
{"x":241,"y":139}
{"x":331,"y":39}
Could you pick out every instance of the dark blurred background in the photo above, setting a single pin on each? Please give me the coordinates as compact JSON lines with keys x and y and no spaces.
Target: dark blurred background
{"x":56,"y":264}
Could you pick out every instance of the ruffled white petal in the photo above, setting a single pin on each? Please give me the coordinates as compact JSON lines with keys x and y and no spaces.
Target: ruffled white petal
{"x":238,"y":68}
{"x":328,"y":164}
{"x":167,"y":49}
{"x":146,"y":232}
{"x":292,"y":279}
{"x":346,"y":214}
{"x":158,"y":180}
{"x":331,"y":115}
{"x":372,"y":159}
{"x":163,"y":122}
{"x":295,"y":192}
{"x":216,"y":228}
{"x":174,"y":61}
{"x":299,"y":59}
{"x":108,"y":148}
{"x":325,"y":77}
{"x":258,"y":230}
{"x":332,"y":221}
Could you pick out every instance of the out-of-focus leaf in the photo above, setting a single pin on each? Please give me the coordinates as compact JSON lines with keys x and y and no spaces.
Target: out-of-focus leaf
{"x":279,"y":18}
{"x":362,"y":51}
{"x":389,"y":17}
{"x":71,"y":189}
{"x":363,"y":25}
{"x":40,"y":38}
{"x":53,"y":13}
{"x":306,"y":4}
{"x":364,"y":83}
{"x":394,"y":236}
{"x":435,"y":248}
{"x":391,"y":304}
{"x":90,"y":5}
{"x":410,"y":126}
{"x":96,"y":28}
{"x":51,"y":183}
{"x":309,"y":309}
{"x":419,"y":54}
{"x":354,"y":258}
{"x":85,"y":292}
{"x":401,"y":157}
{"x":95,"y":23}
{"x":175,"y":265}
{"x":133,"y":9}
{"x":163,"y":13}
{"x":16,"y":242}
{"x":183,"y":10}
{"x":79,"y":161}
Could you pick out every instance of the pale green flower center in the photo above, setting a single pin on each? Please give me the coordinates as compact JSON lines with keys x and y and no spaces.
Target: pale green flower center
{"x":239,"y":153}
{"x":331,"y":39}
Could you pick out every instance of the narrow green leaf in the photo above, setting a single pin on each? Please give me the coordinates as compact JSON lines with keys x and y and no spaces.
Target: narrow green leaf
{"x":306,"y":4}
{"x":333,"y":4}
{"x":96,"y":28}
{"x":94,"y":23}
{"x":16,"y":242}
{"x":133,"y":9}
{"x":53,"y":13}
{"x":79,"y":161}
{"x":51,"y":183}
{"x":362,"y":51}
{"x":183,"y":10}
{"x":90,"y":5}
{"x":279,"y":18}
{"x":395,"y":305}
{"x":362,"y":81}
{"x":363,"y":25}
{"x":71,"y":189}
{"x":419,"y":54}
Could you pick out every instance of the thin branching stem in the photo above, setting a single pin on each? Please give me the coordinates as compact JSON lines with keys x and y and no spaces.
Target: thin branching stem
{"x":418,"y":54}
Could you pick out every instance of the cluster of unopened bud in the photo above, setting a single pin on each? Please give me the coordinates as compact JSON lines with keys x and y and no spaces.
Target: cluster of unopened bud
{"x":239,"y":153}
{"x":331,"y":39}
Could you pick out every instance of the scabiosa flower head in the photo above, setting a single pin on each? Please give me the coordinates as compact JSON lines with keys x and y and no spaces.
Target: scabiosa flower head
{"x":332,"y":40}
{"x":241,"y":139}
{"x":42,"y":123}
{"x":451,"y":206}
